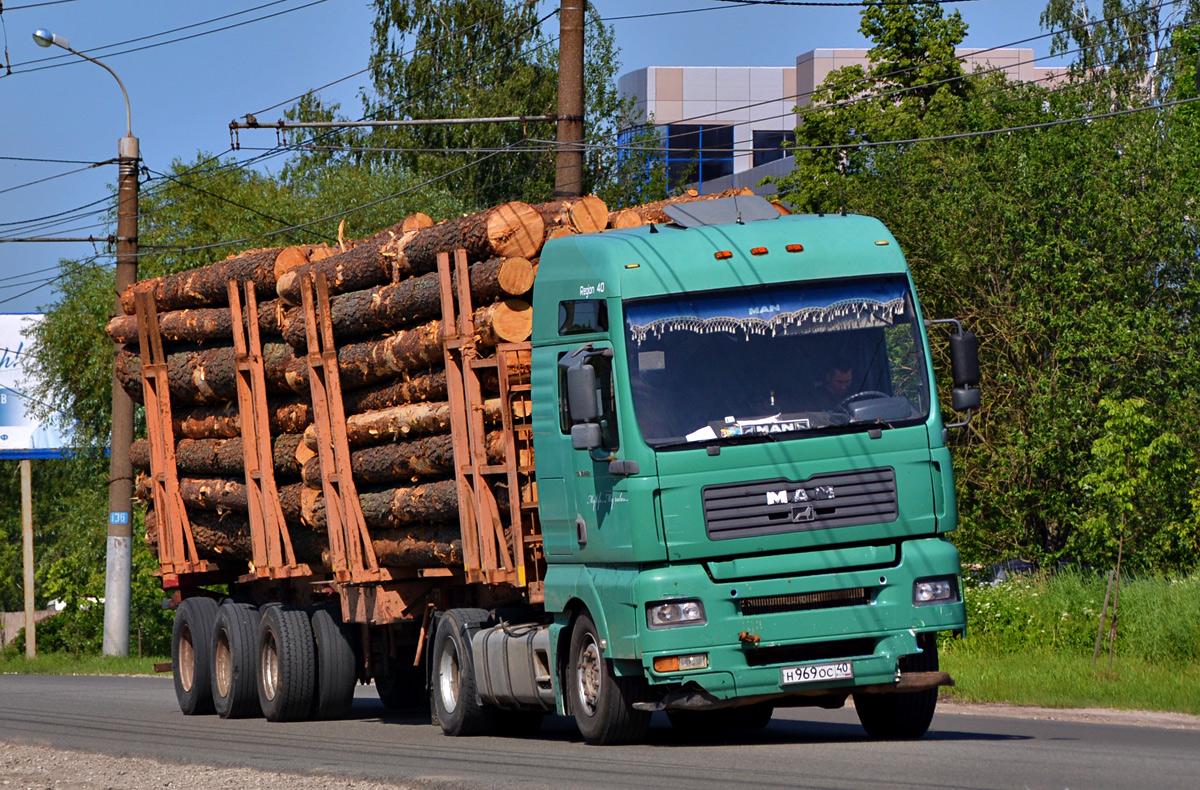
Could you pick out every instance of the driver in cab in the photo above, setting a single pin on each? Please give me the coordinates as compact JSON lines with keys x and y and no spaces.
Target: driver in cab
{"x":836,"y":387}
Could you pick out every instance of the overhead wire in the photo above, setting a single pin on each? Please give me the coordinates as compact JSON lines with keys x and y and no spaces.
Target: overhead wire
{"x":243,"y":23}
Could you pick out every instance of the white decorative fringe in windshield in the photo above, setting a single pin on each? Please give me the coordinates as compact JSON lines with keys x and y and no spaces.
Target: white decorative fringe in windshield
{"x":848,"y":314}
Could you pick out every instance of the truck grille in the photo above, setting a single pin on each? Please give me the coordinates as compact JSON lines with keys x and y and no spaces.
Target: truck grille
{"x":803,"y":602}
{"x":816,"y":651}
{"x":825,"y":501}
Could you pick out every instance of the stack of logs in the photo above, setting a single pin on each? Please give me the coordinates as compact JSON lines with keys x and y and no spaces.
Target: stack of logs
{"x":386,"y":316}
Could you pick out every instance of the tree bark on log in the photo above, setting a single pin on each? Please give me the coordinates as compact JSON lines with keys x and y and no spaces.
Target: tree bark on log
{"x":419,"y":348}
{"x":209,"y":285}
{"x":508,"y":230}
{"x":432,"y":548}
{"x":399,"y":423}
{"x":403,"y":304}
{"x":200,"y":325}
{"x":359,"y":267}
{"x":429,"y":503}
{"x":206,"y":376}
{"x":226,"y":537}
{"x":294,"y":414}
{"x":385,"y":464}
{"x":222,"y":457}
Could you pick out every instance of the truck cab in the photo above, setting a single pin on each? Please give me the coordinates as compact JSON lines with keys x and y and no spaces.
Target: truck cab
{"x":743,"y":481}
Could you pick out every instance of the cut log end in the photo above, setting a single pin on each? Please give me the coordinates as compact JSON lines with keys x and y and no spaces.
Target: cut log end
{"x":515,"y":276}
{"x":588,"y":214}
{"x":515,"y":230}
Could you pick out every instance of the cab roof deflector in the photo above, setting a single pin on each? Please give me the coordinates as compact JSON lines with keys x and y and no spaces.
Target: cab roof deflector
{"x":720,"y":211}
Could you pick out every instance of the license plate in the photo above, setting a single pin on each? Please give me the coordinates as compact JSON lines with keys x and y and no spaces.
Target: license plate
{"x":817,"y":673}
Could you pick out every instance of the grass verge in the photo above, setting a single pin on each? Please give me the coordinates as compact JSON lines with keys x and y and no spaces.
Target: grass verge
{"x":68,"y":664}
{"x":1058,"y":679}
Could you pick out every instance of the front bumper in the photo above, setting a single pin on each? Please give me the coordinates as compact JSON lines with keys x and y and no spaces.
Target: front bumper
{"x":758,"y":626}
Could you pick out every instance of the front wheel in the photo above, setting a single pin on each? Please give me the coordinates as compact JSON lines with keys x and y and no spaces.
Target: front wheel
{"x":902,"y":716}
{"x":455,"y":698}
{"x":601,"y":701}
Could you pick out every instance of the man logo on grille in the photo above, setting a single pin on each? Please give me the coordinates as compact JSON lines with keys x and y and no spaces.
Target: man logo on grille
{"x":803,"y":514}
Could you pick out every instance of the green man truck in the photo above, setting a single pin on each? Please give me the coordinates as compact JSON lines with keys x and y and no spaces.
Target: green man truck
{"x":725,"y":489}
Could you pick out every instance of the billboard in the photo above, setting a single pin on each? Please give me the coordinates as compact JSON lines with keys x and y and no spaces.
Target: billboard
{"x":21,"y":436}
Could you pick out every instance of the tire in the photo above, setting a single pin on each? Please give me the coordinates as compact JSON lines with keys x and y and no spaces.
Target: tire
{"x":601,"y":701}
{"x":286,"y":664}
{"x":705,"y":722}
{"x":902,"y":716}
{"x":234,"y":650}
{"x":191,"y":638}
{"x":337,"y":668}
{"x":455,"y":699}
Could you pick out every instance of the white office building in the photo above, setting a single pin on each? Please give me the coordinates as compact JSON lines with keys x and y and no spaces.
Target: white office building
{"x":729,"y":122}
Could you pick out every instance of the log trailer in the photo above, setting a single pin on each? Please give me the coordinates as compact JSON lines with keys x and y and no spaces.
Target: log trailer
{"x":684,"y":513}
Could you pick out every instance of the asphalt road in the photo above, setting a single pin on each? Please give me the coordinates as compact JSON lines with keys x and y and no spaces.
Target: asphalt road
{"x":801,"y":748}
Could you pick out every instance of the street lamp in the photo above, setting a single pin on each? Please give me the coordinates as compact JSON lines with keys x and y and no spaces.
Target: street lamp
{"x":119,"y":556}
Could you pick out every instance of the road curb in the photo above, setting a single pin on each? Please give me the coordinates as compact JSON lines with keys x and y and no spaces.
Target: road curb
{"x":1133,"y":718}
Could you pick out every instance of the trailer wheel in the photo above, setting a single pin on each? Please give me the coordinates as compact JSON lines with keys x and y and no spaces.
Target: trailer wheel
{"x":336,"y":667}
{"x":233,"y":653}
{"x":286,"y":664}
{"x":902,"y":716}
{"x":191,"y":638}
{"x":601,"y":701}
{"x":703,"y":722}
{"x":455,"y":700}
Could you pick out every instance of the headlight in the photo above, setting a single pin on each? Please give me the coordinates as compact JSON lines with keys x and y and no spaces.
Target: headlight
{"x":935,"y":591}
{"x":666,"y":614}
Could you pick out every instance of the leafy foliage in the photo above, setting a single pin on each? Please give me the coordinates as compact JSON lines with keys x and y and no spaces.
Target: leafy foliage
{"x":476,"y":59}
{"x":1071,"y":250}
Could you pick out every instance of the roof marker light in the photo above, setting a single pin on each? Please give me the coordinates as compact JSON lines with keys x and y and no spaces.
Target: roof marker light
{"x":758,"y":250}
{"x":722,"y":255}
{"x":881,"y":244}
{"x":795,"y":248}
{"x":633,"y":266}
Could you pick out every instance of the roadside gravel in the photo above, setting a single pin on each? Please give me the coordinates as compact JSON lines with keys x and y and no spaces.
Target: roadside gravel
{"x":24,"y":767}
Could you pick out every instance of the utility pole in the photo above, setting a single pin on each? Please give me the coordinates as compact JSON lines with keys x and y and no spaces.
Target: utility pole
{"x":119,"y":557}
{"x":27,"y":555}
{"x":568,"y":174}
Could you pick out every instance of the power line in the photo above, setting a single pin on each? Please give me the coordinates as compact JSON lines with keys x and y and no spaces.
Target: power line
{"x":52,"y":161}
{"x":50,"y":178}
{"x":174,"y":40}
{"x":844,"y":4}
{"x":36,"y":5}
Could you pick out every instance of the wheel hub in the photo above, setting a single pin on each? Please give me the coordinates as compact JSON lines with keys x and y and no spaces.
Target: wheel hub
{"x":187,"y":659}
{"x":270,"y":667}
{"x":448,"y":678}
{"x":588,"y":675}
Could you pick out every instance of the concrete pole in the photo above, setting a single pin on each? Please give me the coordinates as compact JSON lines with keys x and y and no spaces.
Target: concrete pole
{"x":119,"y":559}
{"x":27,"y":540}
{"x":568,"y":178}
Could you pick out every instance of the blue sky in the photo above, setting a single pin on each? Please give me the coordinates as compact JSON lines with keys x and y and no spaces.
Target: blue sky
{"x":184,"y":94}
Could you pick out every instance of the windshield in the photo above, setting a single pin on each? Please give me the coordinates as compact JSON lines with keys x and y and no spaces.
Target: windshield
{"x":776,"y":361}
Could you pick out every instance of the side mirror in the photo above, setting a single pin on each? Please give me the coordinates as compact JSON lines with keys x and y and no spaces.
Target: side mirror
{"x":964,"y":360}
{"x":585,"y":436}
{"x":581,"y":393}
{"x":965,"y":398}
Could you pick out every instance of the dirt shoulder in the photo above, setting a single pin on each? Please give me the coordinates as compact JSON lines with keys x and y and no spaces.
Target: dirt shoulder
{"x":1133,"y":718}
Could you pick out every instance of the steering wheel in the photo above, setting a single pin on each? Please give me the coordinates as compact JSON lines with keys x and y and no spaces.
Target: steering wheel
{"x":860,"y":396}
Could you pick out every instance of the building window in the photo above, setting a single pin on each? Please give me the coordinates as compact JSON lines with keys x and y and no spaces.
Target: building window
{"x":768,"y":145}
{"x":698,"y":153}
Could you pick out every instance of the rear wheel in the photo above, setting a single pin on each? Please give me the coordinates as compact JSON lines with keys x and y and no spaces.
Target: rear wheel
{"x":235,"y":634}
{"x":336,"y":667}
{"x":601,"y":701}
{"x":286,"y":664}
{"x":455,"y":699}
{"x":191,"y":640}
{"x":902,"y":716}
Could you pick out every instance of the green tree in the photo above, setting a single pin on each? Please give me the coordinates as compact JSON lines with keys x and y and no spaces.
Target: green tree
{"x":480,"y":58}
{"x":1072,"y":250}
{"x":1139,"y":492}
